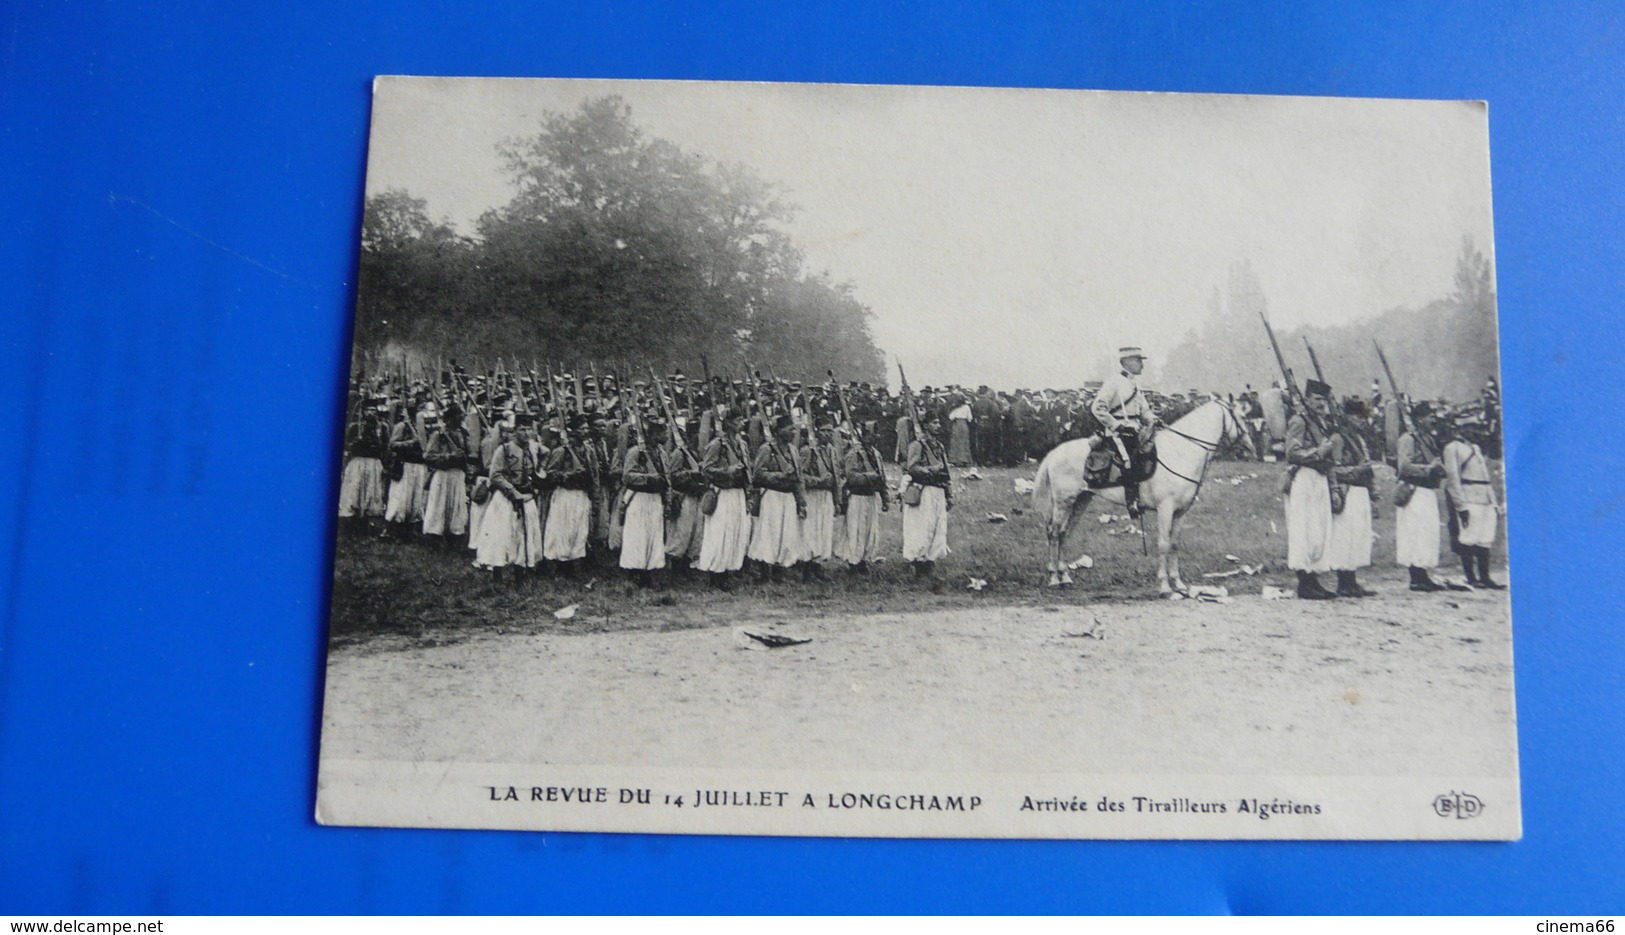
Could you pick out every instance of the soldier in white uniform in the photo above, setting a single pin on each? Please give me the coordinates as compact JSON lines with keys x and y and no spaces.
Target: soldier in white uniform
{"x":1126,"y":415}
{"x":1309,"y":451}
{"x":643,"y":475}
{"x":1472,"y":502}
{"x":1416,"y":513}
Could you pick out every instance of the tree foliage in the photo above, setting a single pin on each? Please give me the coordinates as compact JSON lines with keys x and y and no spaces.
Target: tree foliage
{"x":1445,"y":349}
{"x":616,"y":247}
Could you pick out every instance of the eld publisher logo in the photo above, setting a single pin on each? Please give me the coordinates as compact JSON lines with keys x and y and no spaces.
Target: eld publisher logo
{"x":1458,"y":805}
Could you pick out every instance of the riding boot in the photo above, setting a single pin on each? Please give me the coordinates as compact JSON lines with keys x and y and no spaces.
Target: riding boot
{"x":818,"y":571}
{"x":1131,"y":500}
{"x":1349,"y":586}
{"x":1421,"y":582}
{"x":807,"y":570}
{"x":1467,"y":566}
{"x":722,"y":581}
{"x":777,"y":571}
{"x":1484,"y":580}
{"x":764,"y":572}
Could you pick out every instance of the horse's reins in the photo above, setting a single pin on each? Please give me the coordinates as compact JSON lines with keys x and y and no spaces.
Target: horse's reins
{"x":1208,"y":448}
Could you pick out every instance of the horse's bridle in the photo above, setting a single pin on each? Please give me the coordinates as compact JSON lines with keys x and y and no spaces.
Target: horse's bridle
{"x":1208,"y":448}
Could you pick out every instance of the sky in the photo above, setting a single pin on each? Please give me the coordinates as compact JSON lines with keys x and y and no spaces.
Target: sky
{"x":1017,"y":237}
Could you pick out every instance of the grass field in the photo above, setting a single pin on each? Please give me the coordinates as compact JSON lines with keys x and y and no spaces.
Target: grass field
{"x":394,"y":594}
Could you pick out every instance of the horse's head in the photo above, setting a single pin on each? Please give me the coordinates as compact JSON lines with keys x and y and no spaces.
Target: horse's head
{"x":1231,"y":429}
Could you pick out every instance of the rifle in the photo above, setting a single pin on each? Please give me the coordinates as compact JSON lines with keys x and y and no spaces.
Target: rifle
{"x":693,"y":419}
{"x":908,"y":400}
{"x":671,"y":414}
{"x":1291,"y":383}
{"x":782,"y":399}
{"x":650,"y":453}
{"x":800,"y":492}
{"x":857,"y":433}
{"x":1337,"y":420}
{"x":1401,"y":404}
{"x":458,"y":382}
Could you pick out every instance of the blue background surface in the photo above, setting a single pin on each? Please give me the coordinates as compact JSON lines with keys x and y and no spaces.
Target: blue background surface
{"x":181,"y":202}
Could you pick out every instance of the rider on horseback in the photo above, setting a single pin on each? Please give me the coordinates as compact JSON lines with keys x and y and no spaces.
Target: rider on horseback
{"x":1126,"y":416}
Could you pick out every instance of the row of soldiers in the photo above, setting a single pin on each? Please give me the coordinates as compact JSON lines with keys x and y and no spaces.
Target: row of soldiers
{"x":1330,"y":492}
{"x":541,"y":474}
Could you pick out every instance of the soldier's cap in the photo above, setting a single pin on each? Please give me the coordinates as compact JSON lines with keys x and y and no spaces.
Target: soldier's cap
{"x":1422,"y":410}
{"x":567,"y":376}
{"x":1124,"y":353}
{"x":1317,"y":388}
{"x":524,"y":418}
{"x":1355,"y":406}
{"x":677,"y":378}
{"x":579,"y":422}
{"x":783,"y":421}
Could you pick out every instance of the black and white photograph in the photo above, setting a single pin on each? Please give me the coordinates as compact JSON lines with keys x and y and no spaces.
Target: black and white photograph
{"x":882,"y":461}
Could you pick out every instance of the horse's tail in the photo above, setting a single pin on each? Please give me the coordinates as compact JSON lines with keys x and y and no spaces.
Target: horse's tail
{"x":1044,"y":494}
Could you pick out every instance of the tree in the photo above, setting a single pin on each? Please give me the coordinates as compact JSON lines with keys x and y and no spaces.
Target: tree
{"x":615,"y":247}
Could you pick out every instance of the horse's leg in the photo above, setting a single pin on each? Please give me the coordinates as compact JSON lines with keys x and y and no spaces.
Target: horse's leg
{"x":1052,"y":550}
{"x":1165,"y":545}
{"x":1073,"y":517}
{"x":1173,"y":551}
{"x":1054,"y":532}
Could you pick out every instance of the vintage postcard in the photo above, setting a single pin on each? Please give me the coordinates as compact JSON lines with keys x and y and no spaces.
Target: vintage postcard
{"x":922,"y":462}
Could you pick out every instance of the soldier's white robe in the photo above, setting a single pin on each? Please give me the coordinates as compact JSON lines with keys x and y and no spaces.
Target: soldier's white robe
{"x":925,"y":527}
{"x":1349,"y":547}
{"x":569,"y":519}
{"x":1308,"y":521}
{"x":407,"y":495}
{"x":860,"y":541}
{"x":1416,"y":524}
{"x":1308,"y":500}
{"x":777,"y":536}
{"x":1416,"y":530}
{"x":818,"y":529}
{"x":501,"y":540}
{"x":726,"y":535}
{"x":1467,"y":481}
{"x":362,"y":488}
{"x":643,"y":539}
{"x":685,"y":531}
{"x":446,"y":511}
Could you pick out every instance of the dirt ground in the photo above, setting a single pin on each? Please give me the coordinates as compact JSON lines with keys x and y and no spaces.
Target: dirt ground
{"x":1395,"y":685}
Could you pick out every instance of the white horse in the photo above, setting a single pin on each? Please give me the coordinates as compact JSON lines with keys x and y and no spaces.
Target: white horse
{"x":1184,"y":450}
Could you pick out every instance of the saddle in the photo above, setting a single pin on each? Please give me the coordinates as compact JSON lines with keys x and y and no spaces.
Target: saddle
{"x":1105,"y":467}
